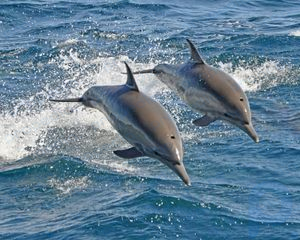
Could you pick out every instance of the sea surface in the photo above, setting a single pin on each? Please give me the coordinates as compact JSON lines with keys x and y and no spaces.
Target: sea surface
{"x":59,"y":178}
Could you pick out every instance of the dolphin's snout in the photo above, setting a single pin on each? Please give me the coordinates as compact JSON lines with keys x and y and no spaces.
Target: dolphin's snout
{"x":249,"y":129}
{"x":173,"y":158}
{"x":179,"y":169}
{"x":243,"y":123}
{"x":176,"y":161}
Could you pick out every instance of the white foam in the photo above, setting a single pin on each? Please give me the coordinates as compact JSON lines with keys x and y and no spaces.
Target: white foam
{"x":122,"y":166}
{"x":107,"y":71}
{"x":65,"y":187}
{"x":68,"y":42}
{"x":20,"y":136}
{"x":110,"y":35}
{"x":254,"y":78}
{"x":295,"y":33}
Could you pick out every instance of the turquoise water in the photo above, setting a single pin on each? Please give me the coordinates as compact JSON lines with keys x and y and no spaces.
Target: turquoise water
{"x":58,"y":176}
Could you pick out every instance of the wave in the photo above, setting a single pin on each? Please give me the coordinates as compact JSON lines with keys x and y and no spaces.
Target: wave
{"x":120,"y":198}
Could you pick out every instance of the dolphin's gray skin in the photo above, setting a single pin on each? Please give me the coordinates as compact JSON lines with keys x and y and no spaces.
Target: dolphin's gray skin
{"x":207,"y":90}
{"x":143,"y":122}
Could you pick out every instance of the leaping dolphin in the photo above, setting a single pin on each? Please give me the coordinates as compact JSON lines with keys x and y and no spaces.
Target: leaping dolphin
{"x":143,"y":122}
{"x":207,"y":90}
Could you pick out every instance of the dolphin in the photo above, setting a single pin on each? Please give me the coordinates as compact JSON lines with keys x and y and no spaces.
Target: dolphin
{"x":207,"y":90}
{"x":143,"y":122}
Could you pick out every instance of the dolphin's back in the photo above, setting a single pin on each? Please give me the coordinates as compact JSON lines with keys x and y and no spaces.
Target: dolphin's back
{"x":219,"y":81}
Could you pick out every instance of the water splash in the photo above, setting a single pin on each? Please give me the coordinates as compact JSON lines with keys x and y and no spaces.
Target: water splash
{"x":258,"y":77}
{"x":295,"y":33}
{"x":122,"y":166}
{"x":28,"y":125}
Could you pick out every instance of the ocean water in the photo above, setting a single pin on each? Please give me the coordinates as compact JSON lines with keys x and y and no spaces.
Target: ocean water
{"x":58,"y":176}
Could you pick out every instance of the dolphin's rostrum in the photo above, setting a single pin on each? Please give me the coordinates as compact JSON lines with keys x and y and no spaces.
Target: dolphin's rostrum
{"x":207,"y":90}
{"x":143,"y":122}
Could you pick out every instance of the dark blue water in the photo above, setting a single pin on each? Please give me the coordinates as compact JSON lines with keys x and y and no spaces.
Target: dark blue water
{"x":58,"y":176}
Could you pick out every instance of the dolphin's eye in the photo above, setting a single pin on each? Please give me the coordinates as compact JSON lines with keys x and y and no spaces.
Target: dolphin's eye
{"x":241,"y":99}
{"x":173,"y":137}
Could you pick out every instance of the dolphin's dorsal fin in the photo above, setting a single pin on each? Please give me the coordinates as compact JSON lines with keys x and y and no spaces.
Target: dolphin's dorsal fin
{"x":130,"y":79}
{"x":195,"y":56}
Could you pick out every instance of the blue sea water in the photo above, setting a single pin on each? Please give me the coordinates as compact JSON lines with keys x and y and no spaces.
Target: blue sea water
{"x":58,"y":176}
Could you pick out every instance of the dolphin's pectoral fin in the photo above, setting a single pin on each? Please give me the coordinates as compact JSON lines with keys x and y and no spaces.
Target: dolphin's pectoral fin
{"x":204,"y":121}
{"x":129,"y":153}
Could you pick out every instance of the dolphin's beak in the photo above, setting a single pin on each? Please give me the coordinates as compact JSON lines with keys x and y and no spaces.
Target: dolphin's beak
{"x":174,"y":161}
{"x":144,"y":71}
{"x":67,"y":100}
{"x":249,"y":129}
{"x":179,"y":169}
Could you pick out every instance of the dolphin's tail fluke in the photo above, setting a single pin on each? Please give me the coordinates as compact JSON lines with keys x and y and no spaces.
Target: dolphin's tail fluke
{"x":67,"y":100}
